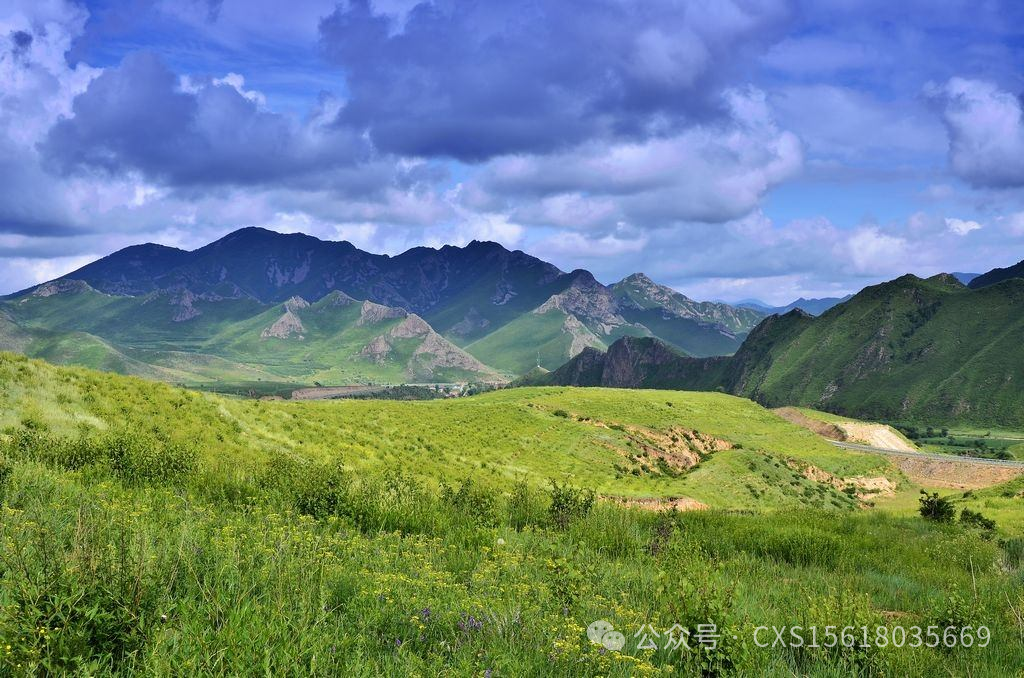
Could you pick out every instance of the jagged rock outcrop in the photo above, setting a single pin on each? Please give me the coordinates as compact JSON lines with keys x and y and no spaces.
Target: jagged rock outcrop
{"x":289,"y":325}
{"x":371,"y":313}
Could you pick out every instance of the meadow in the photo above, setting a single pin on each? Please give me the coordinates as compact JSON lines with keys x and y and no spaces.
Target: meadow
{"x":158,"y":531}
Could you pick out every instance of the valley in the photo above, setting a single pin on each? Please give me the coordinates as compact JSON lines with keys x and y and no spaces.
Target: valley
{"x":462,"y":457}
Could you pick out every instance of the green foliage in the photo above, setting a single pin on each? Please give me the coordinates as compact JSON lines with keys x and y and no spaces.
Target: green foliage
{"x":133,"y":456}
{"x":975,"y":519}
{"x":526,"y":507}
{"x":934,"y":507}
{"x":476,"y":503}
{"x":569,"y":504}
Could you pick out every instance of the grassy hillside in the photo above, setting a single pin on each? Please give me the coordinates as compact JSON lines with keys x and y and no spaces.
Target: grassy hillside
{"x":609,"y":440}
{"x":909,"y":350}
{"x":154,"y":531}
{"x":545,"y":339}
{"x":227,"y":342}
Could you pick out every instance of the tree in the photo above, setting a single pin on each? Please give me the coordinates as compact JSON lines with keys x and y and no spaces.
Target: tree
{"x":934,"y":507}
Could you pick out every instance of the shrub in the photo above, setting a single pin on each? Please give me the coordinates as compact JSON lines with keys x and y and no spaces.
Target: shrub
{"x":568,"y":504}
{"x":321,"y":490}
{"x":934,"y":507}
{"x":476,"y":503}
{"x":141,"y":459}
{"x":975,"y":519}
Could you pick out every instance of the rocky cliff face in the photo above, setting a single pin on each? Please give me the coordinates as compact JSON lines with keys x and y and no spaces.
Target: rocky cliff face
{"x":638,"y":292}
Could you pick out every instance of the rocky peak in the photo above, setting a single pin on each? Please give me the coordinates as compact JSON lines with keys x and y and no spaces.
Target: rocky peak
{"x":61,"y":287}
{"x":295,"y":303}
{"x":371,"y":313}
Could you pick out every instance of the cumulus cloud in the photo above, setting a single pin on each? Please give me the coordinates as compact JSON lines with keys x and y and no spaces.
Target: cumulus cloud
{"x":961,"y":226}
{"x":712,"y":173}
{"x":986,"y":131}
{"x":475,"y":80}
{"x":139,"y":117}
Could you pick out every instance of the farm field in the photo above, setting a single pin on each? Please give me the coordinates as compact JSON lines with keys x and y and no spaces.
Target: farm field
{"x":149,"y":529}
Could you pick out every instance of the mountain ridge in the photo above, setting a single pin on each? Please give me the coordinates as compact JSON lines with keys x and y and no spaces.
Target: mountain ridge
{"x":910,"y":349}
{"x":508,"y":309}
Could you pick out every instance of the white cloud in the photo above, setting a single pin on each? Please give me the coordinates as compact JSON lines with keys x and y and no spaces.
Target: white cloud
{"x":961,"y":227}
{"x":709,"y":173}
{"x":986,"y":131}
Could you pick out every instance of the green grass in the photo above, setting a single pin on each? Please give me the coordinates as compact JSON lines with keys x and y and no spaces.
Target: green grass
{"x":149,"y":530}
{"x":502,"y":436}
{"x":221,"y":348}
{"x":910,"y":349}
{"x":516,"y":347}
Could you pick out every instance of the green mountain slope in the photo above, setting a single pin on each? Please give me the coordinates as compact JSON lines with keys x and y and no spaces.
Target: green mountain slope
{"x":160,"y":298}
{"x":637,"y":293}
{"x":584,"y":314}
{"x":997,"y":275}
{"x":176,"y":336}
{"x":908,"y":350}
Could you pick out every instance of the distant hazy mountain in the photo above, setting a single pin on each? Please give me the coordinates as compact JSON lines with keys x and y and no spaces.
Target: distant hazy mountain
{"x":965,"y":278}
{"x":476,"y":308}
{"x":812,"y":306}
{"x":912,"y":350}
{"x":998,"y":275}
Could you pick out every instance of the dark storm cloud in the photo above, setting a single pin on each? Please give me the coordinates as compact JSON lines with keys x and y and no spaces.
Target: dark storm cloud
{"x":138,"y":117}
{"x":473,"y":80}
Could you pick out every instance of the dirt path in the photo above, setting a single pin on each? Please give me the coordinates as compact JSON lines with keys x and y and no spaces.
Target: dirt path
{"x":861,"y":432}
{"x":875,"y":435}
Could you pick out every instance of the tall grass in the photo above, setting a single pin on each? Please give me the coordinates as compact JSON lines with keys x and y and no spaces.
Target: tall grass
{"x":306,"y":568}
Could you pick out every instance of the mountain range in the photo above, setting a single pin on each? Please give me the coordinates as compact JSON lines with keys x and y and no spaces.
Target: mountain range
{"x":909,"y":350}
{"x":811,"y":306}
{"x":258,"y":305}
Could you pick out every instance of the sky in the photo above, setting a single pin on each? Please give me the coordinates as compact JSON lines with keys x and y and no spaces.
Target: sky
{"x":732,"y":149}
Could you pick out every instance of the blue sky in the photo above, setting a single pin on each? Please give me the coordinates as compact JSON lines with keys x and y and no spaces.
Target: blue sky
{"x":729,"y":148}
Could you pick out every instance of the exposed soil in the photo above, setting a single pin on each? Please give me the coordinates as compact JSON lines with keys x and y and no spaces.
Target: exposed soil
{"x":957,"y":475}
{"x":875,"y":435}
{"x":822,"y":428}
{"x":864,"y":487}
{"x":679,"y":448}
{"x":659,"y":503}
{"x":862,"y":433}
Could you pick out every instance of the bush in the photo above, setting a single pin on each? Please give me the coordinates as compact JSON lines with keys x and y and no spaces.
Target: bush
{"x":471,"y":501}
{"x":934,"y":507}
{"x":140,"y":459}
{"x":568,"y":504}
{"x":134,"y":457}
{"x":321,"y":490}
{"x":975,"y":519}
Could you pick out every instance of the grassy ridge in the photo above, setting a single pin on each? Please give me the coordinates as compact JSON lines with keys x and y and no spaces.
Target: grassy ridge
{"x":598,"y":438}
{"x":151,"y":530}
{"x":210,"y":343}
{"x":908,"y":350}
